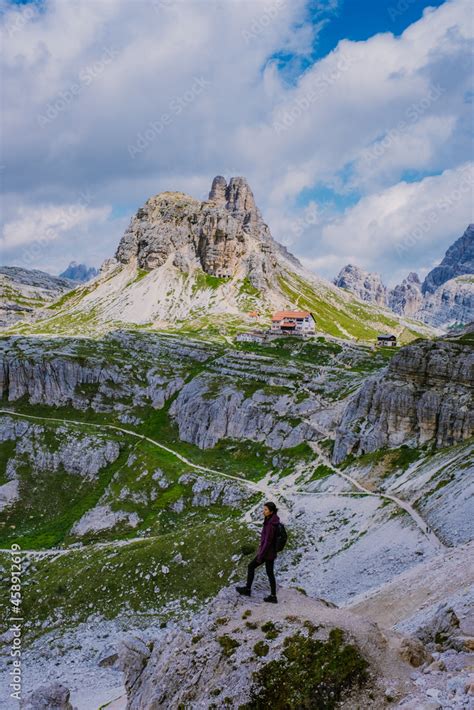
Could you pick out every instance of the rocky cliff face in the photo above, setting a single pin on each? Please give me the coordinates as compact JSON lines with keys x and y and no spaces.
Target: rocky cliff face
{"x":367,"y":286}
{"x":406,"y":298}
{"x":458,"y":260}
{"x":451,"y":304}
{"x":204,"y":419}
{"x":76,"y":376}
{"x":218,"y":236}
{"x":424,"y":397}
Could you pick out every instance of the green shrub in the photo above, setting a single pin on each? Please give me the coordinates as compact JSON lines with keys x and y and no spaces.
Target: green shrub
{"x":261,"y":649}
{"x":270,"y":630}
{"x":228,"y":644}
{"x":310,"y":674}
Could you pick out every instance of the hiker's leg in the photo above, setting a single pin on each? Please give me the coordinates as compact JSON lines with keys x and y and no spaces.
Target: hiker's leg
{"x":271,"y":576}
{"x":251,"y":571}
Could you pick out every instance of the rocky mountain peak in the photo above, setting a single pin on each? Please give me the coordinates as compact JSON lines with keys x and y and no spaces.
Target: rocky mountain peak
{"x":406,"y":298}
{"x":79,"y":272}
{"x":413,"y":278}
{"x":458,"y":260}
{"x":222,"y":235}
{"x":365,"y":285}
{"x":237,"y":198}
{"x":218,"y":190}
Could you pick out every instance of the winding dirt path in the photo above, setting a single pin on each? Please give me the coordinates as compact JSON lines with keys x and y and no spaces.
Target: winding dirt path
{"x":416,"y":517}
{"x":277,"y":493}
{"x":260,"y":487}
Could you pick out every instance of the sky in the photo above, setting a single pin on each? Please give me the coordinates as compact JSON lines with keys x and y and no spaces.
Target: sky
{"x":352,"y":121}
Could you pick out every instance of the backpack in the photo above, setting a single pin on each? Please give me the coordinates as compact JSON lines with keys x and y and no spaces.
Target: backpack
{"x":281,"y":537}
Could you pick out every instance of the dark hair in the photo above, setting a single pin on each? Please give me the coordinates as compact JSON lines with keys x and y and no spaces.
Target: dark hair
{"x":271,"y":506}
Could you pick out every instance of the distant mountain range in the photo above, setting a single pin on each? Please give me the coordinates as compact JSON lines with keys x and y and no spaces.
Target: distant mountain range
{"x":79,"y":272}
{"x":445,"y":299}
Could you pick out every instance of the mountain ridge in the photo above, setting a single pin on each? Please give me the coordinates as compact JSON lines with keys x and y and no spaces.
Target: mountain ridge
{"x":201,"y":266}
{"x":445,"y":299}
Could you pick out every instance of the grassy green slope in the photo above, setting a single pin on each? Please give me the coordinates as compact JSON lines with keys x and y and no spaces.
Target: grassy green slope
{"x":341,"y":315}
{"x":143,"y":577}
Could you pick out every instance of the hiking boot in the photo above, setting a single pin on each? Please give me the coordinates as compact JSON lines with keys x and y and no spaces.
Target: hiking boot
{"x":271,"y":598}
{"x":245,"y":591}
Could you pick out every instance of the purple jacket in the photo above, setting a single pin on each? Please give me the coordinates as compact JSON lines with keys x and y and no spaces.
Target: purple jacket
{"x":267,"y":547}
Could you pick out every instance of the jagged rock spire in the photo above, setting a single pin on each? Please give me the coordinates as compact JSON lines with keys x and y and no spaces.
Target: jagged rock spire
{"x":238,"y":199}
{"x":218,"y":190}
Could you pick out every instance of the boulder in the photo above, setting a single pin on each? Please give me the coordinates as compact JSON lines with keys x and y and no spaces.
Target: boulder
{"x":47,"y":697}
{"x":441,"y":629}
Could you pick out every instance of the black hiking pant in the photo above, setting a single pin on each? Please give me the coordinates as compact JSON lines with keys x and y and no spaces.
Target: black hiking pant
{"x":269,"y":570}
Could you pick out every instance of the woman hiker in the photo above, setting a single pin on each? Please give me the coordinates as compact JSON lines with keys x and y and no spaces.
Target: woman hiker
{"x":266,"y":553}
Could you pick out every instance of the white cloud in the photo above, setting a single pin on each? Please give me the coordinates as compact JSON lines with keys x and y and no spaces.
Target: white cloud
{"x":49,"y":236}
{"x":409,"y":223}
{"x":49,"y":223}
{"x":353,"y":97}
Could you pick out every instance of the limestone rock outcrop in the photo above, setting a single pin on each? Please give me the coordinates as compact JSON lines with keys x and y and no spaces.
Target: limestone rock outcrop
{"x":458,"y":260}
{"x":223,"y":661}
{"x":406,"y":298}
{"x":219,"y":235}
{"x":424,"y":397}
{"x":81,"y":380}
{"x":102,"y":517}
{"x":82,"y":456}
{"x":367,"y":286}
{"x":450,"y":305}
{"x":205,"y":417}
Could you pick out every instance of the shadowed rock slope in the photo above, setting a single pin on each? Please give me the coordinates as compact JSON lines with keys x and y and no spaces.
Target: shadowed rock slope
{"x":423,"y":398}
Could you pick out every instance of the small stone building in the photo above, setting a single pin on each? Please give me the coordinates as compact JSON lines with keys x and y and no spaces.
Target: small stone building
{"x":387,"y":341}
